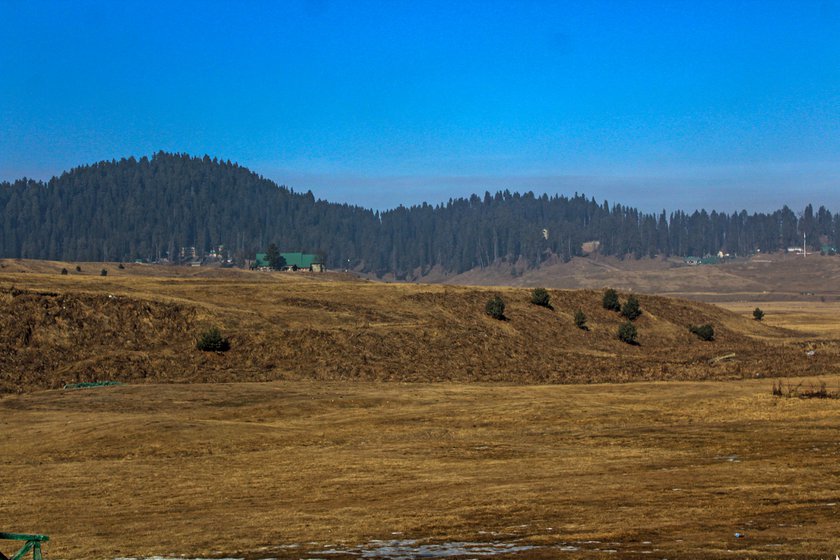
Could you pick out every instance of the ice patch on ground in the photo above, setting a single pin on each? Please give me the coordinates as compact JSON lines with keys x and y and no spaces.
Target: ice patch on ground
{"x":171,"y":558}
{"x":411,"y":549}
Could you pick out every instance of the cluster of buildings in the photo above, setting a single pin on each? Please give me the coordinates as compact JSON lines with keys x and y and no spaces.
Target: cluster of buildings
{"x":216,"y":255}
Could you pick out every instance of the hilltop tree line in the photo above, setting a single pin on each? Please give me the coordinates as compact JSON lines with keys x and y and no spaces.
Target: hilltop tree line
{"x":151,"y":207}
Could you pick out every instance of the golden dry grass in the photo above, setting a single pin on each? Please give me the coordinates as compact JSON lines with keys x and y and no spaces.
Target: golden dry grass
{"x":817,"y":319}
{"x":325,"y":458}
{"x":244,"y":469}
{"x":140,"y":325}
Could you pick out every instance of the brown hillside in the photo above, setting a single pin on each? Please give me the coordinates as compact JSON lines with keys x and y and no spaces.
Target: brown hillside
{"x":761,"y":278}
{"x":139,"y":327}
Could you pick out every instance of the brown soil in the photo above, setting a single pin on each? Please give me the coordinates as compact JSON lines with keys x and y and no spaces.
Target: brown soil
{"x":137,"y":326}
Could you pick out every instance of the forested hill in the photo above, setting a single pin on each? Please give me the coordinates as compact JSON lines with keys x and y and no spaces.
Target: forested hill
{"x":151,"y":207}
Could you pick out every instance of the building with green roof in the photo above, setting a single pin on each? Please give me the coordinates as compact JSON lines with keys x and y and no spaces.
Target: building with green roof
{"x":294,"y":261}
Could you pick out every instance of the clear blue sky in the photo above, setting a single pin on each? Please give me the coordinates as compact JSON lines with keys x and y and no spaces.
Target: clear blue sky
{"x":671,"y":104}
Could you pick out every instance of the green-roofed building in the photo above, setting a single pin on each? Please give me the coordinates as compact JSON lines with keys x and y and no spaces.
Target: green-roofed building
{"x":301,"y":260}
{"x":261,"y":261}
{"x":294,"y":261}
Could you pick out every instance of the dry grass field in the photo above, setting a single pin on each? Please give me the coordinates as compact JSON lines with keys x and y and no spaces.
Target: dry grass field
{"x":346,"y":441}
{"x":291,"y":469}
{"x":815,"y":319}
{"x":140,"y":325}
{"x":776,"y":277}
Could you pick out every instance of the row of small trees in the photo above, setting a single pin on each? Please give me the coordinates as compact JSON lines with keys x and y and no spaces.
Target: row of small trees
{"x":495,"y":307}
{"x":630,"y":310}
{"x":213,"y":341}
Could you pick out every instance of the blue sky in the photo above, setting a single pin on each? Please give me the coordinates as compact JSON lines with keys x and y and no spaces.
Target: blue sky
{"x":677,"y":104}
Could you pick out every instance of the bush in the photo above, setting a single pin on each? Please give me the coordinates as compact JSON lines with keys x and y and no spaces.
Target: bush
{"x":78,"y":269}
{"x":611,"y":300}
{"x":121,"y":266}
{"x":704,"y":332}
{"x":631,"y":308}
{"x":495,"y":307}
{"x":213,"y":341}
{"x":628,"y":333}
{"x":758,"y":314}
{"x":580,"y":320}
{"x":540,"y":297}
{"x":64,"y":272}
{"x":103,"y":272}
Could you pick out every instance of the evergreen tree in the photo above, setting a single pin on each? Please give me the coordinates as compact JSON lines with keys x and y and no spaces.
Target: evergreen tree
{"x":580,"y":320}
{"x":631,"y":309}
{"x":541,"y":297}
{"x":495,"y":307}
{"x":627,"y":333}
{"x":275,"y":259}
{"x":610,"y":300}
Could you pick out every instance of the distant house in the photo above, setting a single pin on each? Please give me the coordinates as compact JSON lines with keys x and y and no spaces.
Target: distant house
{"x":303,"y":261}
{"x":188,"y":253}
{"x":294,"y":261}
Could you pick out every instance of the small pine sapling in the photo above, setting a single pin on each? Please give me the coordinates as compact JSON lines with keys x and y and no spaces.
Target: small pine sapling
{"x":631,"y":309}
{"x":628,"y":333}
{"x":495,"y":307}
{"x":541,"y":297}
{"x":610,"y":301}
{"x":580,"y":320}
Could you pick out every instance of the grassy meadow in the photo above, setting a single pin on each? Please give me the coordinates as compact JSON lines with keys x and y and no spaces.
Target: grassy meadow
{"x":672,"y":469}
{"x":403,"y":412}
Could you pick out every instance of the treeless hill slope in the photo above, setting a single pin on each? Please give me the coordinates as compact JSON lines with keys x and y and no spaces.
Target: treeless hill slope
{"x":57,"y":329}
{"x":764,"y":277}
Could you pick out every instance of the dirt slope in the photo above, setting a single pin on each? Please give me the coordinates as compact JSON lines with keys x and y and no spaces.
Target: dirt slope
{"x":57,"y":329}
{"x":764,"y":277}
